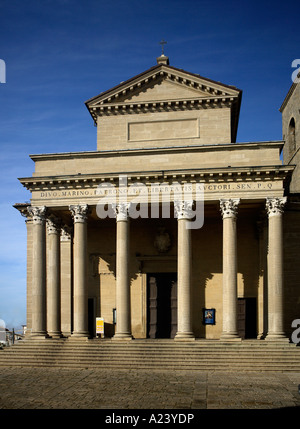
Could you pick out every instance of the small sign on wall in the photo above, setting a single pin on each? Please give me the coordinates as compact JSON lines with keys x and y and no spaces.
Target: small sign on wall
{"x":209,"y":316}
{"x":100,"y":326}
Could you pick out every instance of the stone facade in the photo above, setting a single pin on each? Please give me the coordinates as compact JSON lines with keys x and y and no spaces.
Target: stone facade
{"x":290,"y":110}
{"x":168,"y":217}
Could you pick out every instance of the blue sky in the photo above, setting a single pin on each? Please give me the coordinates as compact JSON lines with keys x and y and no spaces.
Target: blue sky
{"x":60,"y":53}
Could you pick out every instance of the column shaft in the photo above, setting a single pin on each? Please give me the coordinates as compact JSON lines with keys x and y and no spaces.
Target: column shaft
{"x":184,"y":272}
{"x":123,"y":306}
{"x":53,"y":278}
{"x":66,"y":246}
{"x":229,"y":209}
{"x":80,"y":271}
{"x":275,"y":270}
{"x":38,"y":271}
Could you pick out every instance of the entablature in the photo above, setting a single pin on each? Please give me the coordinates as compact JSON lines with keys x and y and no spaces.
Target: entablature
{"x":205,"y":176}
{"x":161,"y":105}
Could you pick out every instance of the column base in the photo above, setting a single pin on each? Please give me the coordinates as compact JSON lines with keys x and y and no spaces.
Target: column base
{"x":184,"y":336}
{"x":277,"y":337}
{"x":55,"y":334}
{"x":122,"y":337}
{"x":38,"y":335}
{"x":261,"y":336}
{"x":230,"y":336}
{"x":83,"y":334}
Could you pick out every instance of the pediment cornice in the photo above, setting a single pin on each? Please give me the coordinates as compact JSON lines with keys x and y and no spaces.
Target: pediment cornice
{"x":196,"y":92}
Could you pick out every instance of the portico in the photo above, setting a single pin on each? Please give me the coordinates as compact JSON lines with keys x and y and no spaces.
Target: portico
{"x":45,"y":224}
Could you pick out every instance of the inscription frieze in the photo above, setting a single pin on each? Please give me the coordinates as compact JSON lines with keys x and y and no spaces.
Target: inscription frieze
{"x":158,"y":189}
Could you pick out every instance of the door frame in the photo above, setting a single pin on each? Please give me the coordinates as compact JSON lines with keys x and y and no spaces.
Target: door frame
{"x":153,"y":308}
{"x":247,"y":317}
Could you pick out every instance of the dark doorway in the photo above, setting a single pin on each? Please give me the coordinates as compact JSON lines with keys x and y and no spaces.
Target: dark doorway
{"x":161,"y":305}
{"x":91,"y":317}
{"x":247,"y":318}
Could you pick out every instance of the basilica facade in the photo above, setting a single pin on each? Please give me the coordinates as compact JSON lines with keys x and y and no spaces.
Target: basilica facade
{"x":170,"y":228}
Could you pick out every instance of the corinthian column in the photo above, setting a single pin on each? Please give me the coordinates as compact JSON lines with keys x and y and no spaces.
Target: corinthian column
{"x":123,"y":325}
{"x":66,"y":278}
{"x":38,"y":271}
{"x":79,"y":213}
{"x":53,"y":277}
{"x":183,"y":210}
{"x":274,"y":208}
{"x":229,"y":212}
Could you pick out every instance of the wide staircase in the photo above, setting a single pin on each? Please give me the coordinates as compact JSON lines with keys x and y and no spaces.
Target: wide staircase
{"x":205,"y":355}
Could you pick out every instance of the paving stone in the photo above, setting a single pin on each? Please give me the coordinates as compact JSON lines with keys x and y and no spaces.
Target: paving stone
{"x":54,"y":388}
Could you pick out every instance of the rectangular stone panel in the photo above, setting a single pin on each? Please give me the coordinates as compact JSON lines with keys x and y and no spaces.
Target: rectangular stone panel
{"x":163,"y":130}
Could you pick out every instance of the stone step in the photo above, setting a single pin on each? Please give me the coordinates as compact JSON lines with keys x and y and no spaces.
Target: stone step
{"x":198,"y":355}
{"x":145,"y":353}
{"x":87,"y":363}
{"x":171,"y":346}
{"x":145,"y":349}
{"x":141,"y":354}
{"x":158,"y":356}
{"x":207,"y":366}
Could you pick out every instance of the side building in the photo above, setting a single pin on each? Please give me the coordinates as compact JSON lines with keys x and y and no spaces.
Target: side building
{"x":290,"y":110}
{"x":171,"y":228}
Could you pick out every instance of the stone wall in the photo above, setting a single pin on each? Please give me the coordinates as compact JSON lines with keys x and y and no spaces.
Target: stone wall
{"x":291,"y":135}
{"x":291,"y":264}
{"x":164,"y":129}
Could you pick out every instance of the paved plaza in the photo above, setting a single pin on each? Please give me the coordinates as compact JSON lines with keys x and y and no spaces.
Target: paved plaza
{"x":53,"y":388}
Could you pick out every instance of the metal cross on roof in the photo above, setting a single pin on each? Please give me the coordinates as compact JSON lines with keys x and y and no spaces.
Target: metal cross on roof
{"x":162,"y":43}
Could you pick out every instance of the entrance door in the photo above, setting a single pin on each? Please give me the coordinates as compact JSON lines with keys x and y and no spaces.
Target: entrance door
{"x":91,"y":317}
{"x":247,"y":318}
{"x":162,"y":305}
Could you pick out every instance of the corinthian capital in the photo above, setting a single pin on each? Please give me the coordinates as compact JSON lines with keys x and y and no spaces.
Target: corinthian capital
{"x":53,"y":225}
{"x":121,"y":210}
{"x":229,"y":207}
{"x":65,"y":233}
{"x":275,"y":206}
{"x":79,"y":212}
{"x":184,"y":209}
{"x":38,"y":214}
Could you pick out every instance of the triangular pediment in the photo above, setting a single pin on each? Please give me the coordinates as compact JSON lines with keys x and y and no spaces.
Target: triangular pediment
{"x":163,"y":83}
{"x":164,"y":87}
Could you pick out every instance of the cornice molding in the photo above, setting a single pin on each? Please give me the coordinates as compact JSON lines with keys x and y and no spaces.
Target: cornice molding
{"x":160,"y":105}
{"x":289,"y":94}
{"x":214,"y":175}
{"x":157,"y":150}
